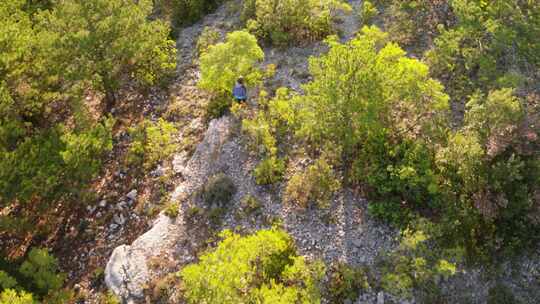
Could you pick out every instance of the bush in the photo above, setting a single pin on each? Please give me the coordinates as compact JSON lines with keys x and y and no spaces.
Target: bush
{"x":416,"y":265}
{"x":250,"y":205}
{"x":259,"y":133}
{"x":219,"y":189}
{"x":171,"y":209}
{"x":42,"y":269}
{"x":347,"y":282}
{"x":316,"y":184}
{"x":152,"y":143}
{"x":10,"y":296}
{"x":217,"y":107}
{"x":284,"y":21}
{"x":39,"y":280}
{"x":269,"y":171}
{"x":185,"y":12}
{"x":224,"y":62}
{"x":487,"y":44}
{"x":259,"y":268}
{"x":414,"y":22}
{"x":369,"y":11}
{"x":209,"y":36}
{"x":501,"y":294}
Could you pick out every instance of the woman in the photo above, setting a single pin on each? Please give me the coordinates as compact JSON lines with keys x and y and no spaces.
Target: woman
{"x":240,"y":91}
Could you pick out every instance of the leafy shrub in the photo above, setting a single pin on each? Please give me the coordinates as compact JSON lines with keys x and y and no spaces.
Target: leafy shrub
{"x":250,"y":205}
{"x":269,"y":171}
{"x":42,"y":269}
{"x":259,"y":268}
{"x":171,"y":209}
{"x":208,"y":37}
{"x":152,"y":143}
{"x":39,"y":279}
{"x":316,"y":184}
{"x":414,"y":23}
{"x":219,"y":189}
{"x":501,"y":294}
{"x":224,"y":62}
{"x":16,"y":297}
{"x":259,"y":133}
{"x":185,"y":12}
{"x":217,"y":107}
{"x":369,"y":11}
{"x":486,"y":44}
{"x":493,"y":177}
{"x":285,"y":21}
{"x":271,"y":122}
{"x":346,"y":282}
{"x":415,"y":265}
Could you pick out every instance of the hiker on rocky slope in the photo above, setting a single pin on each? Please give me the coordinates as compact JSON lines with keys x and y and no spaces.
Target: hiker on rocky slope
{"x":240,"y":91}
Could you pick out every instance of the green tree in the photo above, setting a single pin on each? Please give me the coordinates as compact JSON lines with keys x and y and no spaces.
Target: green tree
{"x":285,"y":21}
{"x":152,"y":143}
{"x":10,"y":296}
{"x":383,"y":111}
{"x":259,"y":268}
{"x":104,"y":41}
{"x":224,"y":62}
{"x":42,"y":270}
{"x":492,"y":45}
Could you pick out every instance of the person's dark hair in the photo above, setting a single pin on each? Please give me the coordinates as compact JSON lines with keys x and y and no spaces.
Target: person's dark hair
{"x":241,"y":80}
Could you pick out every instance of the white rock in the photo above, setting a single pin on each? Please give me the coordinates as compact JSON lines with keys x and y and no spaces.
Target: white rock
{"x":119,"y":219}
{"x":103,"y":203}
{"x":380,"y":298}
{"x":132,"y":195}
{"x":121,"y":205}
{"x":179,"y":163}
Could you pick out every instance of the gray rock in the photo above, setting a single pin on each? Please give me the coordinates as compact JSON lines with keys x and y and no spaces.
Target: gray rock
{"x":119,"y":219}
{"x":132,"y":195}
{"x":159,"y":171}
{"x":127,"y":273}
{"x":103,"y":203}
{"x":179,"y":163}
{"x":380,"y":298}
{"x":91,"y":209}
{"x":121,"y":205}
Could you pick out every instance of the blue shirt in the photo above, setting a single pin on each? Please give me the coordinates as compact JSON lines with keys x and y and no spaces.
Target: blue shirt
{"x":239,"y":91}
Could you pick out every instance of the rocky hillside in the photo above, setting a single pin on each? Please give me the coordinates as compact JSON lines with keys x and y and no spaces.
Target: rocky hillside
{"x":343,"y":233}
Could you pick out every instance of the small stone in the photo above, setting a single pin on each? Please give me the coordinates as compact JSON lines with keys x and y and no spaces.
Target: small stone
{"x":380,"y":298}
{"x":179,"y":163}
{"x":121,"y":205}
{"x":103,"y":203}
{"x":113,"y":226}
{"x":158,"y":172}
{"x":132,"y":195}
{"x":119,"y":219}
{"x":91,"y":209}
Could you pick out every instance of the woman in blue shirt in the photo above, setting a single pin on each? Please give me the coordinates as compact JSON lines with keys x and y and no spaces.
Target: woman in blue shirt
{"x":239,"y":90}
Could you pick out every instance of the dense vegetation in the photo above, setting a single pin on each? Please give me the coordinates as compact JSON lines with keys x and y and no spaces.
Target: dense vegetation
{"x":57,"y":61}
{"x":283,"y":22}
{"x":260,"y":268}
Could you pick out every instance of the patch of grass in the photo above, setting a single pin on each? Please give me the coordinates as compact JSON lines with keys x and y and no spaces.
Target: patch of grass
{"x":171,"y":209}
